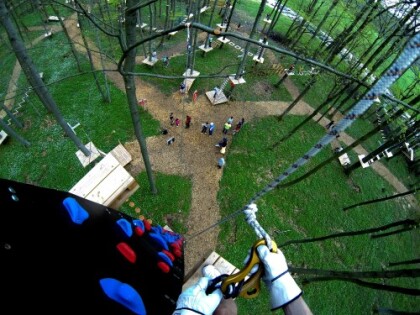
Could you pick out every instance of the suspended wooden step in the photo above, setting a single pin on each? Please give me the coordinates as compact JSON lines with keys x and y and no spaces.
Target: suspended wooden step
{"x":223,"y":40}
{"x":216,"y":98}
{"x":94,"y":154}
{"x":189,"y":81}
{"x":3,"y":136}
{"x":150,"y":61}
{"x":236,"y":81}
{"x":203,"y":48}
{"x":143,"y":25}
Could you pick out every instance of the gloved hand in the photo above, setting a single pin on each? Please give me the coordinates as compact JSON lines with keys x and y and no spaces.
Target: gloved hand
{"x":283,"y":288}
{"x":194,"y":300}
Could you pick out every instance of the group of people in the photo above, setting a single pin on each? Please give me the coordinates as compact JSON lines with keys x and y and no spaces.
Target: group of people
{"x":209,"y":128}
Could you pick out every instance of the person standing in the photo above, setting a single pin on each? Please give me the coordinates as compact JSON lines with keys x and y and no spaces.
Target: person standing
{"x":222,"y":143}
{"x":177,"y":122}
{"x":182,"y":88}
{"x":221,"y":162}
{"x":226,"y":128}
{"x":237,"y":127}
{"x":211,"y":129}
{"x":188,"y":122}
{"x":171,"y":119}
{"x":204,"y":127}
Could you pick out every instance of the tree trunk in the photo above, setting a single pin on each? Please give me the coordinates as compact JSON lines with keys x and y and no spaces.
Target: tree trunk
{"x":239,"y":72}
{"x":350,"y":32}
{"x":330,"y":97}
{"x":92,"y":66}
{"x":206,"y":43}
{"x":368,"y":202}
{"x":130,"y":88}
{"x":303,"y":30}
{"x":13,"y":133}
{"x":195,"y":32}
{"x":311,"y":82}
{"x":276,"y":16}
{"x":229,"y":20}
{"x":69,"y":40}
{"x":32,"y":75}
{"x":11,"y":116}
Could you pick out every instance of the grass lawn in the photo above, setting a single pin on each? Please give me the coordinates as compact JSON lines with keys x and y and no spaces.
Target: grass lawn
{"x":308,"y":209}
{"x":171,"y":205}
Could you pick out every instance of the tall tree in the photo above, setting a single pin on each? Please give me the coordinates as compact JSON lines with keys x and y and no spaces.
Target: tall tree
{"x":82,"y":26}
{"x":239,"y":72}
{"x":130,"y":87}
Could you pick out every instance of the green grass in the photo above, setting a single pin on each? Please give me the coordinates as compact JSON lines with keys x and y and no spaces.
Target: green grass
{"x":308,"y":209}
{"x":169,"y":207}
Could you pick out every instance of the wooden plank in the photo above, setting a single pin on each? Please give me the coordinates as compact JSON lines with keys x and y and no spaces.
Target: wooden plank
{"x":210,"y":260}
{"x":95,"y":176}
{"x":121,"y":154}
{"x":123,"y":191}
{"x":216,"y":260}
{"x":117,"y":202}
{"x":224,"y":266}
{"x":112,"y":183}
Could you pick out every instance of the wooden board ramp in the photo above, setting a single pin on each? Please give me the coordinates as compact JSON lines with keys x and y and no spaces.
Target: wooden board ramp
{"x":214,"y":259}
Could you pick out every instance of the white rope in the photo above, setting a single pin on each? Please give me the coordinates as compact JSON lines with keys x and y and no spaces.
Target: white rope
{"x":251,"y":219}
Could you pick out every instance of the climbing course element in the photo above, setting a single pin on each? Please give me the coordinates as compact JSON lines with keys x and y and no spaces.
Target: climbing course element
{"x":89,"y":258}
{"x":407,"y":57}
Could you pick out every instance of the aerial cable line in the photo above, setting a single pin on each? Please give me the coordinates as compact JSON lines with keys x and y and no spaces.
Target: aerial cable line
{"x":407,"y":57}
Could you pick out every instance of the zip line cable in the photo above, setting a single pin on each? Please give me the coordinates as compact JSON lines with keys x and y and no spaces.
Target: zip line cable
{"x":408,"y":56}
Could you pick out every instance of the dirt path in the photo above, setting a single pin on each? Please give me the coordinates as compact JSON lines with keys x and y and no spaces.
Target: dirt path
{"x":193,"y":154}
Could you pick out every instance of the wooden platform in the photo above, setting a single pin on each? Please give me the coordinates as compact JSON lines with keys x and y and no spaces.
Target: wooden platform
{"x":189,"y":81}
{"x":108,"y":183}
{"x":215,"y":259}
{"x":223,"y":40}
{"x":3,"y":136}
{"x":150,"y":62}
{"x":220,"y":98}
{"x":121,"y":154}
{"x":86,"y":160}
{"x":344,"y":159}
{"x":202,"y":47}
{"x":259,"y":60}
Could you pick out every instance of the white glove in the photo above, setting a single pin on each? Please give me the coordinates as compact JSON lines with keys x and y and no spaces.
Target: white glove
{"x":283,"y":288}
{"x":194,"y":300}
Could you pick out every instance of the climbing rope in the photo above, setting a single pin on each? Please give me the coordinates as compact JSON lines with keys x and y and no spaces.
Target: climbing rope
{"x":407,"y":57}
